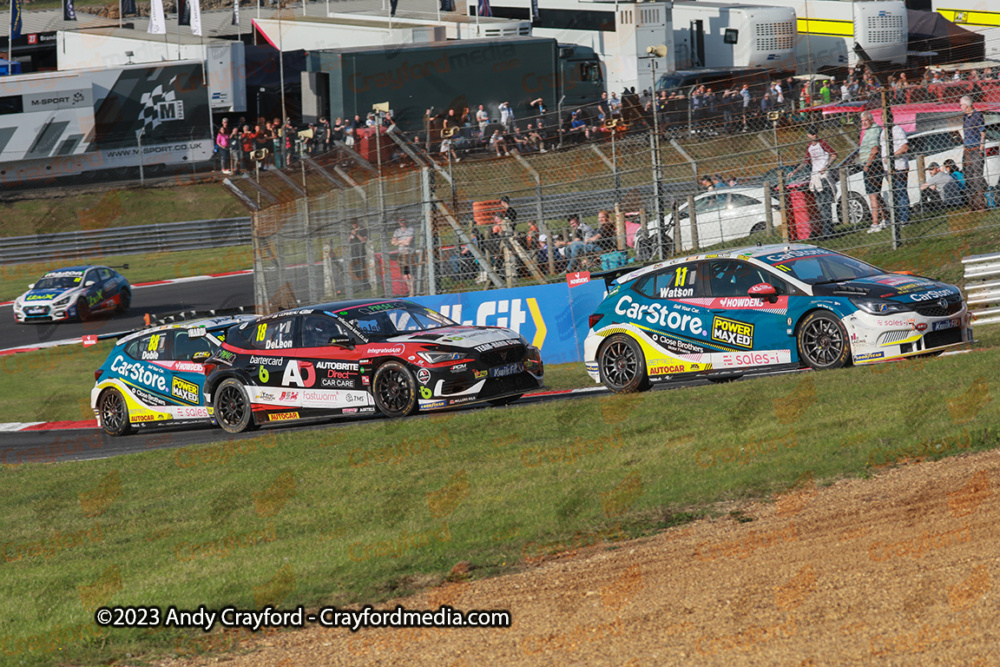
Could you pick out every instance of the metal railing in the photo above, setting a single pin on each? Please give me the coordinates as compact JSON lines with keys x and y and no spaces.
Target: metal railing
{"x":982,"y":287}
{"x":164,"y":237}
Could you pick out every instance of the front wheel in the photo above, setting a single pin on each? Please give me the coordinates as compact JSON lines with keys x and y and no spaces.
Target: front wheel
{"x":823,"y":341}
{"x":395,"y":390}
{"x":232,"y":407}
{"x":82,"y":309}
{"x":124,"y":302}
{"x":114,"y":413}
{"x":622,"y":365}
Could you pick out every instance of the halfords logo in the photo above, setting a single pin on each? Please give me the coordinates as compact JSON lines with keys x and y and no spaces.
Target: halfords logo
{"x":731,"y":332}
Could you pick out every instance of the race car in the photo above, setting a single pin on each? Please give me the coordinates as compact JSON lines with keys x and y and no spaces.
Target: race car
{"x":362,"y":357}
{"x":723,"y":314}
{"x":157,"y":376}
{"x":76,"y":291}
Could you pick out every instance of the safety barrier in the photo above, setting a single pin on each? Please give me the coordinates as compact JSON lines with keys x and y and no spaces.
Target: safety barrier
{"x":165,"y":237}
{"x":982,"y":287}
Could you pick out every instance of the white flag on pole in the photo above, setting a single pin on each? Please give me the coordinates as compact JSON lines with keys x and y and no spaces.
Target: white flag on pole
{"x":195,"y":17}
{"x":157,"y":24}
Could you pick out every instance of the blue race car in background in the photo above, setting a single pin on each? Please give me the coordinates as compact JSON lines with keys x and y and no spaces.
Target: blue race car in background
{"x":722,"y":314}
{"x":74,"y":292}
{"x":157,"y":375}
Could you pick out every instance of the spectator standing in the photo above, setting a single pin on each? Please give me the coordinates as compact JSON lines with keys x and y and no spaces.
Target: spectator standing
{"x":337,"y":131}
{"x":323,"y":138}
{"x":357,"y":240}
{"x":607,"y":235}
{"x":507,"y":116}
{"x":482,"y":119}
{"x":820,"y":156}
{"x":869,"y":156}
{"x":615,"y":105}
{"x":246,"y":146}
{"x":974,"y":136}
{"x":508,"y":212}
{"x":402,"y":240}
{"x":408,"y":282}
{"x":900,"y":147}
{"x":602,"y":105}
{"x":745,"y":96}
{"x":824,"y":92}
{"x":222,"y":145}
{"x":289,"y":134}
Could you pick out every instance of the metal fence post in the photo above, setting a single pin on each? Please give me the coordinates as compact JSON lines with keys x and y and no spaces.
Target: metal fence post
{"x":428,"y":206}
{"x":784,"y":208}
{"x":768,"y":210}
{"x":693,"y":217}
{"x":845,"y":200}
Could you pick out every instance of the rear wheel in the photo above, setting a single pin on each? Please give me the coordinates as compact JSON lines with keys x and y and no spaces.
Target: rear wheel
{"x":823,"y":341}
{"x":232,"y":407}
{"x":114,"y":413}
{"x":622,"y":365}
{"x":395,"y":390}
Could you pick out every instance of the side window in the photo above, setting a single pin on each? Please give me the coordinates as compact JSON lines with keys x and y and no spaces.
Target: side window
{"x":151,"y":348}
{"x":741,"y":200}
{"x":105,"y":274}
{"x":675,"y":282}
{"x":91,"y":276}
{"x":185,"y":348}
{"x":319,"y":330}
{"x":734,"y":278}
{"x":274,"y":334}
{"x":709,"y":203}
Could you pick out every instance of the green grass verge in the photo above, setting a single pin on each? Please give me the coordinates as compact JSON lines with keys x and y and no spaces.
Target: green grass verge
{"x":104,"y":209}
{"x":15,"y":278}
{"x":277,"y":519}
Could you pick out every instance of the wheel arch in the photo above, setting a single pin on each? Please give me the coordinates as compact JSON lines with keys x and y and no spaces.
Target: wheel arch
{"x":215,"y":379}
{"x":825,"y":309}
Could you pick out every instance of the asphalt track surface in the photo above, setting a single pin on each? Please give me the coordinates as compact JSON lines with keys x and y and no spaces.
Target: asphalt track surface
{"x":66,"y":445}
{"x":157,"y":300}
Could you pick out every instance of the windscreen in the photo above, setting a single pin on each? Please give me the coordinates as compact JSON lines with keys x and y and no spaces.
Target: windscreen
{"x":815,"y":266}
{"x":391,"y":318}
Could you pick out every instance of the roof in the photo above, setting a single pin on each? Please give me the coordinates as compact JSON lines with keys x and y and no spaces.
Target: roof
{"x":752,"y":252}
{"x":82,"y":267}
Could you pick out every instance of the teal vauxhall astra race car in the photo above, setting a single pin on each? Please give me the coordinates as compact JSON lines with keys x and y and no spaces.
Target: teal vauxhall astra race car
{"x":721,"y":315}
{"x":74,"y":292}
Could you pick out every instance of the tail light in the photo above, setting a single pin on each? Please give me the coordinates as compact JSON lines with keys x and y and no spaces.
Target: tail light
{"x":594,"y":319}
{"x":208,"y":368}
{"x":97,"y":375}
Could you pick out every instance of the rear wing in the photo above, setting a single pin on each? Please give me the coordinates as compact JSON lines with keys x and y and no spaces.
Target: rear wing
{"x":610,"y":276}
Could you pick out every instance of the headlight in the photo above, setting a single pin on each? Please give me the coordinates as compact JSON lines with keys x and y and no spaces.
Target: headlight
{"x":439,"y":357}
{"x":880,"y":306}
{"x":65,"y":300}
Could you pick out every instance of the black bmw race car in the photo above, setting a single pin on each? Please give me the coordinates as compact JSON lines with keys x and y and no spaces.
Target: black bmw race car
{"x":364,"y":356}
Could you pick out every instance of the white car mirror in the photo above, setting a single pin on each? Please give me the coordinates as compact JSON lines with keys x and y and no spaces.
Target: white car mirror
{"x":88,"y":283}
{"x":31,"y":286}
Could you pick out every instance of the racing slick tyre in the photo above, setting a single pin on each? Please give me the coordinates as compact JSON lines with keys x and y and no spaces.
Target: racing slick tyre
{"x":395,"y":390}
{"x":823,"y":341}
{"x":232,"y":407}
{"x":114,"y":413}
{"x":124,"y":302}
{"x":82,"y":309}
{"x":622,"y":365}
{"x":507,"y":400}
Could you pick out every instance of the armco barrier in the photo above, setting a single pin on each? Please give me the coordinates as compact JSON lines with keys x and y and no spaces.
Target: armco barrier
{"x":552,"y":317}
{"x":982,"y":287}
{"x":165,"y":237}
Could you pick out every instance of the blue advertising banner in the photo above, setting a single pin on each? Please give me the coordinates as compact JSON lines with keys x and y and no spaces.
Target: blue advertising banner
{"x":551,"y":317}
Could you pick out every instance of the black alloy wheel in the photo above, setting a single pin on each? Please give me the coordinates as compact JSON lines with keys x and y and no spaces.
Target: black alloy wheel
{"x":823,"y":342}
{"x":622,"y":365}
{"x":232,"y":407}
{"x":114,"y":413}
{"x":395,"y":390}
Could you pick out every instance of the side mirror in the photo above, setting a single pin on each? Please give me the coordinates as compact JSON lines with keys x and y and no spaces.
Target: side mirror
{"x":764,"y":291}
{"x":88,"y":283}
{"x":201,"y":356}
{"x":342,"y":342}
{"x":31,"y":286}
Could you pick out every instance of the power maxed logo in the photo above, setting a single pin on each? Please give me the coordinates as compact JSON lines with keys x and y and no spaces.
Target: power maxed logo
{"x":184,"y":390}
{"x":731,"y":332}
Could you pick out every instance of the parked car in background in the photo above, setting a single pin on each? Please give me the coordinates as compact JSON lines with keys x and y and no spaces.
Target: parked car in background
{"x":723,"y":215}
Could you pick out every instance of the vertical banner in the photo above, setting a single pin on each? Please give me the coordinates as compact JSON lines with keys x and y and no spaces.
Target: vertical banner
{"x":15,"y":23}
{"x":183,"y":12}
{"x":69,"y":13}
{"x":236,"y":12}
{"x":484,"y":8}
{"x":157,"y":24}
{"x":128,"y":8}
{"x":195,"y":16}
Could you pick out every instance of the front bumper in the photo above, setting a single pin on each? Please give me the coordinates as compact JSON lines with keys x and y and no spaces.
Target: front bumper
{"x":43,"y":312}
{"x":476,"y":381}
{"x":876,"y":338}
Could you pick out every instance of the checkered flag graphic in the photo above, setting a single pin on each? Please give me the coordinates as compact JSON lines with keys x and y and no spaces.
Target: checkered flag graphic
{"x":159,"y":106}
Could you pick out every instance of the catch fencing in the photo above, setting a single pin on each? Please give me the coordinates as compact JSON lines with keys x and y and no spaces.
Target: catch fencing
{"x":335,"y":225}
